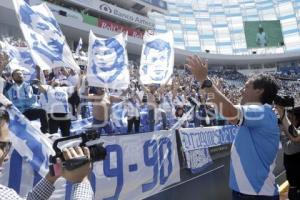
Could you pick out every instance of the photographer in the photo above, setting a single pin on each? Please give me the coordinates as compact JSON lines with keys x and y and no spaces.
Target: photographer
{"x":290,"y":121}
{"x":81,"y":189}
{"x":255,"y":148}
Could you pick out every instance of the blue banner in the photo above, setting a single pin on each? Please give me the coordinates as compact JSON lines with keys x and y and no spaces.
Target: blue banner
{"x":196,"y":141}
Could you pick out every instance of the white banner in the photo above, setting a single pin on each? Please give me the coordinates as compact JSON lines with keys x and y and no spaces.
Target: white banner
{"x":47,"y":43}
{"x":196,"y":141}
{"x":108,"y":62}
{"x":157,"y":59}
{"x":136,"y":166}
{"x":20,"y":58}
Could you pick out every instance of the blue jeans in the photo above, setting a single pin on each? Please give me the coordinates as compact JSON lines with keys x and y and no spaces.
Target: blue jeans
{"x":240,"y":196}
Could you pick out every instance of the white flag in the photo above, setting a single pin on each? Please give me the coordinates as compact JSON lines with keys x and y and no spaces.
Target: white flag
{"x":20,"y":58}
{"x":79,"y":47}
{"x":108,"y":62}
{"x":157,"y":59}
{"x":47,"y":43}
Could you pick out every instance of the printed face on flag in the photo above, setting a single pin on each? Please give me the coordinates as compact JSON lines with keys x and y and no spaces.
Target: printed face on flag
{"x":157,"y":59}
{"x":46,"y":36}
{"x":107,"y":59}
{"x":107,"y":62}
{"x":157,"y":55}
{"x":21,"y":59}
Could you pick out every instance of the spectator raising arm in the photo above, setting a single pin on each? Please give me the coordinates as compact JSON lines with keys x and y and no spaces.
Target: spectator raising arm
{"x":199,"y":69}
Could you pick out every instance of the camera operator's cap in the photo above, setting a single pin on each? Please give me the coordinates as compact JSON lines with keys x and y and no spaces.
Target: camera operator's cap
{"x":295,"y":110}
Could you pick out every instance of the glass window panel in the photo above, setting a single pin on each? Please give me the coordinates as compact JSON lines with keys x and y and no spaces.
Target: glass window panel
{"x":160,"y":27}
{"x":225,"y":49}
{"x":179,"y":45}
{"x":285,"y":8}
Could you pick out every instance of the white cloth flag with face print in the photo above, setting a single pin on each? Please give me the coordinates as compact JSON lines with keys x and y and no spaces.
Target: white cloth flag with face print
{"x":20,"y":58}
{"x":108,"y":63}
{"x":46,"y":41}
{"x":157,"y":59}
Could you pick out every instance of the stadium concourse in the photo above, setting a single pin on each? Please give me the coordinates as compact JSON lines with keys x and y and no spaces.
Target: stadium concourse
{"x":117,"y":74}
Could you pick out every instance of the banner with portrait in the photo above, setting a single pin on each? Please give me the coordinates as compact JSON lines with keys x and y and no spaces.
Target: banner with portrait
{"x":108,"y":62}
{"x":157,"y":59}
{"x":20,"y":58}
{"x":45,"y":39}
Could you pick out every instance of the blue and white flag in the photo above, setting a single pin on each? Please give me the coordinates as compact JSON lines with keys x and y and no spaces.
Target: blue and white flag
{"x":29,"y":142}
{"x":20,"y":58}
{"x":47,"y":43}
{"x":108,"y":62}
{"x":196,"y":141}
{"x":157,"y":59}
{"x":79,"y":47}
{"x":119,"y":118}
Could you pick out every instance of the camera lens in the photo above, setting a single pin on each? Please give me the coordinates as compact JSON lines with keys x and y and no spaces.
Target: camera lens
{"x":97,"y":152}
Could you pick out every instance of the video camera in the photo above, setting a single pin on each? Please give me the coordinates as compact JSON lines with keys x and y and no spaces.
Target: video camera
{"x":97,"y":152}
{"x":284,"y":101}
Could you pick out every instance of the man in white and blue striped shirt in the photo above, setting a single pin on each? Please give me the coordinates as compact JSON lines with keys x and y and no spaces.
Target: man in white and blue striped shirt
{"x":255,"y":148}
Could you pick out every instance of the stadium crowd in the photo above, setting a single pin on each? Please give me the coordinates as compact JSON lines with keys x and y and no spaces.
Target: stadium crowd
{"x":146,"y":108}
{"x":61,"y":98}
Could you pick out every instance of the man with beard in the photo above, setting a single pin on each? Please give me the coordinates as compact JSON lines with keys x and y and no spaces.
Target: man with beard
{"x":21,"y":95}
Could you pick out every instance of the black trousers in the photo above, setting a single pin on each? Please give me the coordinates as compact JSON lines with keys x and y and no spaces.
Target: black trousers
{"x":59,"y":120}
{"x":133,"y":120}
{"x":292,"y":166}
{"x":38,"y":113}
{"x":151,"y":119}
{"x":74,"y":100}
{"x":240,"y":196}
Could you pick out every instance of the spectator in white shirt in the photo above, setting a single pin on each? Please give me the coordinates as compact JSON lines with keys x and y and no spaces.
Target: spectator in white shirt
{"x":133,"y":112}
{"x":57,"y":106}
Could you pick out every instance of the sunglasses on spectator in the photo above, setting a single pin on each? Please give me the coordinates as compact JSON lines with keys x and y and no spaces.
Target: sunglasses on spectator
{"x":5,"y":147}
